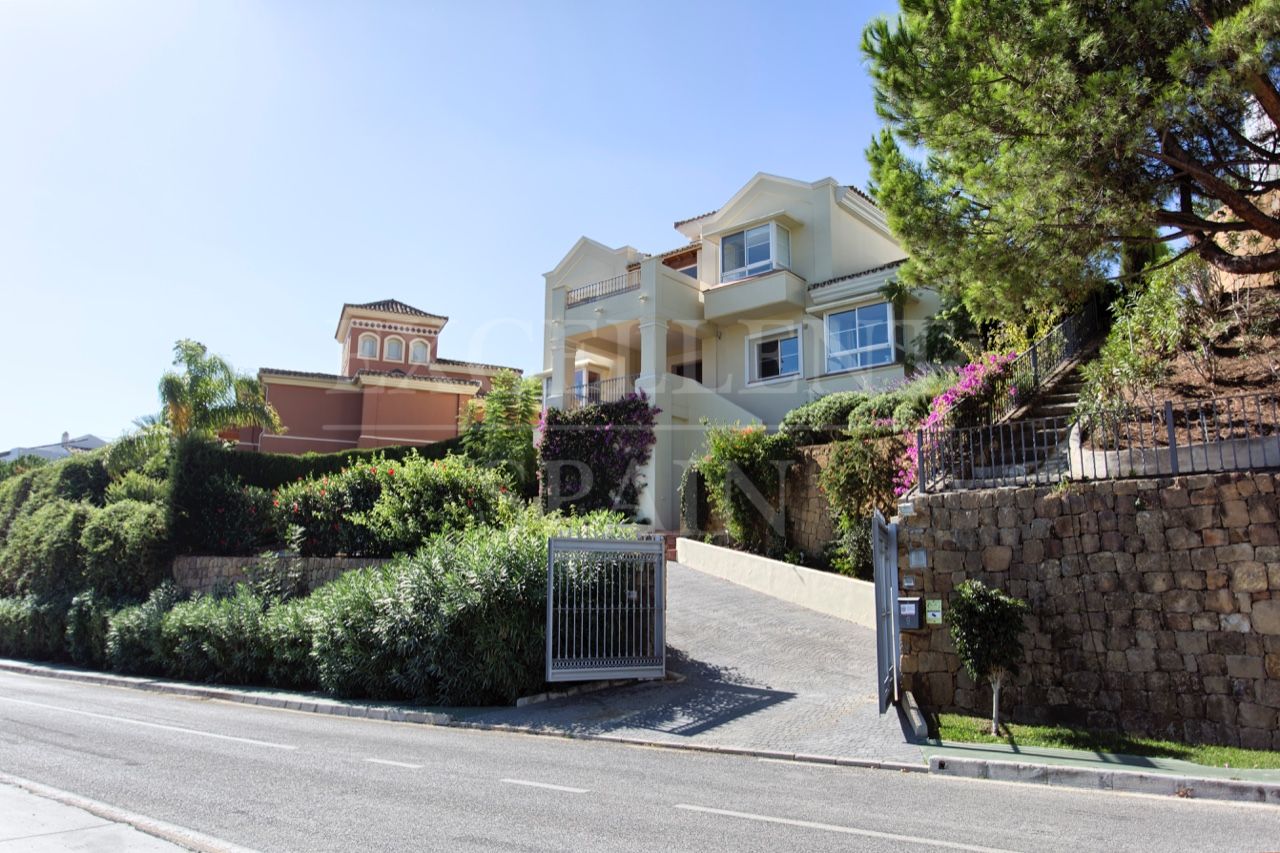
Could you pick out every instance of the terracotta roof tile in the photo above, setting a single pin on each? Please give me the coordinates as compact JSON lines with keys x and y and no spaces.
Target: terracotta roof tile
{"x":696,"y":218}
{"x":351,"y":380}
{"x":457,"y":363}
{"x":859,"y":274}
{"x":394,"y":306}
{"x":864,"y":194}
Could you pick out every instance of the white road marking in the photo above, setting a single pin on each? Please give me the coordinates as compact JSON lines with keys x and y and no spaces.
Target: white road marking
{"x":149,"y":725}
{"x":529,"y":784}
{"x":845,"y":830}
{"x":394,"y":763}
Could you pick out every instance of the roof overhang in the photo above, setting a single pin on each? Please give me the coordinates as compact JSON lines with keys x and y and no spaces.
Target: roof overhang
{"x":350,"y":313}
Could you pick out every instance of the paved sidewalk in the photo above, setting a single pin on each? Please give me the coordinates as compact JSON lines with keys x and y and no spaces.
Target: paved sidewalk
{"x":758,"y":673}
{"x":32,"y":823}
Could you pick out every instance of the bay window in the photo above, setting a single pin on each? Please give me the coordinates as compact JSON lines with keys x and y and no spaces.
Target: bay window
{"x":756,"y":250}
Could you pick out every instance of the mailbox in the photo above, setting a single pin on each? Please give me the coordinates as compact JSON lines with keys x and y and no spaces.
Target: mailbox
{"x":910,"y":613}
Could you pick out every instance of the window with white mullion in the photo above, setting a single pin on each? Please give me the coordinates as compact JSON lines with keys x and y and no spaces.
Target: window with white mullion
{"x":775,"y":356}
{"x":860,"y":337}
{"x":754,"y":251}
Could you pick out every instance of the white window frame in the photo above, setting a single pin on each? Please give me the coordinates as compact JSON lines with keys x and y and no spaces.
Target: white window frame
{"x":776,"y":260}
{"x":386,"y":348}
{"x":892,"y":344}
{"x":409,"y":352}
{"x":753,"y":359}
{"x":377,"y":346}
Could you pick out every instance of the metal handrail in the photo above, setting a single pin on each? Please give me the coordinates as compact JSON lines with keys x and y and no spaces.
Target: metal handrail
{"x":1027,"y":373}
{"x":602,"y":391}
{"x":629,"y":280}
{"x":1237,"y":433}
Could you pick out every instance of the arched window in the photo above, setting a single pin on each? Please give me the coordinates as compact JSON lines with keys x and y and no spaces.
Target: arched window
{"x":419,"y":352}
{"x":368,"y":346}
{"x":393,"y":349}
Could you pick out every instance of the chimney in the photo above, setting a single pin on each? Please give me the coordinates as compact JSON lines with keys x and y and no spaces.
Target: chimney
{"x":66,"y":439}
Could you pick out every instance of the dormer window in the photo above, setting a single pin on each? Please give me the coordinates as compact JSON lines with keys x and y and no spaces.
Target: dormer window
{"x":754,"y":251}
{"x":419,"y":352}
{"x":368,"y":346}
{"x":393,"y":350}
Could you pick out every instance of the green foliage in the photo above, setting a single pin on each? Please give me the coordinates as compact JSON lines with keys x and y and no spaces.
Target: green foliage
{"x":498,"y":429}
{"x":232,"y":518}
{"x":217,"y":639}
{"x":288,"y":635}
{"x":41,"y":554}
{"x":986,"y":628}
{"x":590,"y":457}
{"x":207,"y":396}
{"x":1149,"y":327}
{"x":353,"y":657}
{"x":318,"y":513}
{"x":424,"y":497}
{"x":743,"y":468}
{"x":136,"y":486}
{"x":133,"y":633}
{"x":32,"y":628}
{"x":1054,"y":133}
{"x":88,"y":618}
{"x":822,"y":420}
{"x":857,"y":479}
{"x":21,"y":465}
{"x":124,"y":550}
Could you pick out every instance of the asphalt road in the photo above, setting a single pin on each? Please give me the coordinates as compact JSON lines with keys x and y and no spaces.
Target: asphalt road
{"x":281,"y":780}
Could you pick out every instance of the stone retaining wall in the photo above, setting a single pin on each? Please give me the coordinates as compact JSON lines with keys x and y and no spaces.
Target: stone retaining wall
{"x":809,"y":525}
{"x":1155,"y":603}
{"x":207,"y":574}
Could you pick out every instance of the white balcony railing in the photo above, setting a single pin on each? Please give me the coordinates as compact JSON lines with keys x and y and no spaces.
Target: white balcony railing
{"x":629,"y":280}
{"x":604,"y":391}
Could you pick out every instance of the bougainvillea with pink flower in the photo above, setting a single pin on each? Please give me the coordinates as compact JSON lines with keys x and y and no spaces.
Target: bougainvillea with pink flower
{"x":967,"y":403}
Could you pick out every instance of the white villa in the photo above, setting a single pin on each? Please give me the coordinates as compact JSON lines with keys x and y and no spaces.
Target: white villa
{"x":775,"y":300}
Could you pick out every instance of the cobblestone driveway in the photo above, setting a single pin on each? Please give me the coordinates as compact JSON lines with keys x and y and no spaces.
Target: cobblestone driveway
{"x":758,"y":673}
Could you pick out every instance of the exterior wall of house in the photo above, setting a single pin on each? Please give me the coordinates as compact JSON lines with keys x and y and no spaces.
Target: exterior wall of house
{"x":402,"y":416}
{"x":319,"y":419}
{"x":351,"y":347}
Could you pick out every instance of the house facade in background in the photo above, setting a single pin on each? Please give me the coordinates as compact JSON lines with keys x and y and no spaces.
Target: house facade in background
{"x":393,"y":387}
{"x":775,"y":299}
{"x":60,"y":450}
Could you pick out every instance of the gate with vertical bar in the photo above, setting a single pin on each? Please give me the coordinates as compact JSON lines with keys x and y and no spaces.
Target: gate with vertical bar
{"x":606,"y":609}
{"x":884,"y":556}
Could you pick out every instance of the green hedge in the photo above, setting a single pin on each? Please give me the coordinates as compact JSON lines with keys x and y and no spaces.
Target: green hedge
{"x":124,"y":550}
{"x":41,"y":554}
{"x":30,"y":628}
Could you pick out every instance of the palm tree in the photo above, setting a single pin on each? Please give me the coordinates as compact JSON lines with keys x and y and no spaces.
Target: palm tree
{"x":208,"y":397}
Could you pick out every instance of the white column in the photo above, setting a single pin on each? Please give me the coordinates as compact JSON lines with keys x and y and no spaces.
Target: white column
{"x":658,"y":502}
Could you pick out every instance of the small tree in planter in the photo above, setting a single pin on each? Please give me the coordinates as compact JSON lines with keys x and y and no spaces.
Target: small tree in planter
{"x":986,"y":626}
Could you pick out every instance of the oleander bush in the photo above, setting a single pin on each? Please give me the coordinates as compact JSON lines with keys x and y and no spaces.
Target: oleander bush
{"x":133,"y":632}
{"x":216,"y":639}
{"x":124,"y":550}
{"x":41,"y":554}
{"x":317,"y":513}
{"x":31,"y":628}
{"x":87,"y":620}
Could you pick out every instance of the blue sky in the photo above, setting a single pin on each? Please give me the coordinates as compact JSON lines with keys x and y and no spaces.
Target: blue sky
{"x":234,"y":171}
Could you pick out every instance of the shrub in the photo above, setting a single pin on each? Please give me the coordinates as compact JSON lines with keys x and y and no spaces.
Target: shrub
{"x":136,"y":486}
{"x":423,"y":497}
{"x":823,"y":420}
{"x":216,"y":639}
{"x":352,"y":656}
{"x":133,"y":633}
{"x":79,"y":477}
{"x":590,"y":458}
{"x":124,"y":549}
{"x":986,"y":625}
{"x":88,"y":619}
{"x":41,"y":554}
{"x":858,"y":479}
{"x":235,"y":519}
{"x":31,"y":628}
{"x":743,"y":467}
{"x":287,"y":634}
{"x":318,"y":513}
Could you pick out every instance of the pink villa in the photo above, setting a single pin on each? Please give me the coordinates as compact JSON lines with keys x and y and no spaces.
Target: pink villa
{"x":393,"y":387}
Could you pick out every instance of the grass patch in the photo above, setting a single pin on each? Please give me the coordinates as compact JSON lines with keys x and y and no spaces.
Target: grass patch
{"x":965,"y":729}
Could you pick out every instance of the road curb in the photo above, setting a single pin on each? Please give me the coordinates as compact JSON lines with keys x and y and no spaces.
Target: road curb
{"x":179,"y":835}
{"x":1129,"y":781}
{"x":972,"y":768}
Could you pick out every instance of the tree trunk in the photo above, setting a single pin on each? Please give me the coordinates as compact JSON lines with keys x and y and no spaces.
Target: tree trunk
{"x":997,"y":680}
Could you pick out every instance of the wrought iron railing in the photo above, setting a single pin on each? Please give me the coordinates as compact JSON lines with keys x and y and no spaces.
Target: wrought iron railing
{"x":603,"y":391}
{"x":629,"y":280}
{"x":1026,"y":374}
{"x":1237,"y":433}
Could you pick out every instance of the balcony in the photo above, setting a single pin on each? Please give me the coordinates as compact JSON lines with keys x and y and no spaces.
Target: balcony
{"x":629,"y":280}
{"x":759,"y":296}
{"x":604,"y":391}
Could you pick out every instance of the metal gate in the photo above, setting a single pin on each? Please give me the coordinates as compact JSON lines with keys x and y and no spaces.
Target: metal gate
{"x":884,"y":555}
{"x":606,"y":609}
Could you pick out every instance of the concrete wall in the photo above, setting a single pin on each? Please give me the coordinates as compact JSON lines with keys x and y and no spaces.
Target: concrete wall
{"x":835,"y":595}
{"x":208,"y":574}
{"x":1155,"y":603}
